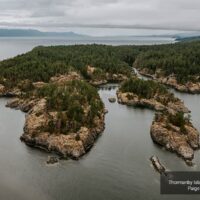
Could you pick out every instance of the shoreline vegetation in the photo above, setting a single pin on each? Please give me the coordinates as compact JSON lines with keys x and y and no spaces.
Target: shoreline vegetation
{"x":64,"y":116}
{"x":176,"y":65}
{"x":56,"y":87}
{"x":171,"y":127}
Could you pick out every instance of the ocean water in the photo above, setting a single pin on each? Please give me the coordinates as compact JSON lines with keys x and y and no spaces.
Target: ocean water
{"x":10,"y":47}
{"x":116,"y":168}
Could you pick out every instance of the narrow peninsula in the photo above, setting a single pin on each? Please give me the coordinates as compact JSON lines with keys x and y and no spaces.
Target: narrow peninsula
{"x":171,"y":127}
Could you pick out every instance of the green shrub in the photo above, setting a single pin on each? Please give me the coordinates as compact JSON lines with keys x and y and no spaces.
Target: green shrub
{"x":70,"y":100}
{"x":144,"y":89}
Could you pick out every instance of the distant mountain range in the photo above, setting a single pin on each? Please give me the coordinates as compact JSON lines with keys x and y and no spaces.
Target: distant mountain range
{"x":184,"y":39}
{"x":72,"y":35}
{"x":36,"y":33}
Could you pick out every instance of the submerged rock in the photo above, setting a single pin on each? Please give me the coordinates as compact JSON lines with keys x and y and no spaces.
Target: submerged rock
{"x":189,"y":163}
{"x":112,"y":100}
{"x":52,"y":160}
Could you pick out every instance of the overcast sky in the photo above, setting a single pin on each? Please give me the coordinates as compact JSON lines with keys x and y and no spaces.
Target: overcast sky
{"x":99,"y":16}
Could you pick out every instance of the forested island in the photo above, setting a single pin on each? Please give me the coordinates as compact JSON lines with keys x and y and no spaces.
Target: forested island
{"x":54,"y":86}
{"x":171,"y":128}
{"x":57,"y":87}
{"x":176,"y":65}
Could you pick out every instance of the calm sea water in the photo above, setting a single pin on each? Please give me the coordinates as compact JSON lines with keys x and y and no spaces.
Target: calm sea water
{"x":117,"y":167}
{"x":10,"y":47}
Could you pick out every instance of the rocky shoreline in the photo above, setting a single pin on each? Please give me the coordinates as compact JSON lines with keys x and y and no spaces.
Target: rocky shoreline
{"x":9,"y":93}
{"x":76,"y":144}
{"x":189,"y":87}
{"x":73,"y":145}
{"x":132,"y":99}
{"x":182,"y":142}
{"x":106,"y":78}
{"x":39,"y":119}
{"x":181,"y":138}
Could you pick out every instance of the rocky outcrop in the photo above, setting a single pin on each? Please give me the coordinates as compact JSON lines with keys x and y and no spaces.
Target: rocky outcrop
{"x":145,"y":72}
{"x":98,"y":82}
{"x":173,"y":138}
{"x":9,"y":93}
{"x":157,"y":164}
{"x":116,"y":78}
{"x":132,"y":99}
{"x":112,"y":100}
{"x":52,"y":160}
{"x":21,"y":104}
{"x":90,"y":70}
{"x":2,"y":90}
{"x":182,"y":137}
{"x":62,"y":79}
{"x":104,"y":78}
{"x":38,"y":130}
{"x":72,"y":145}
{"x":171,"y":81}
{"x":39,"y":85}
{"x":189,"y":87}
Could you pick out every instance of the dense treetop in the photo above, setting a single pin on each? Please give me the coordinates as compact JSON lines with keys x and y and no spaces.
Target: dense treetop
{"x":44,"y":62}
{"x":148,"y":89}
{"x":181,"y":59}
{"x":144,"y":89}
{"x":77,"y":103}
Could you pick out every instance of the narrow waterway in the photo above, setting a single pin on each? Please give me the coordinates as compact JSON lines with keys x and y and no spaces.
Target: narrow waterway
{"x":117,"y":167}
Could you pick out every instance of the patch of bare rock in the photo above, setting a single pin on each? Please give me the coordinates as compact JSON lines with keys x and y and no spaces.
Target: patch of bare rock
{"x":38,"y":119}
{"x":171,"y":81}
{"x":181,"y":140}
{"x":158,"y":103}
{"x":72,"y":145}
{"x":171,"y":127}
{"x":98,"y":77}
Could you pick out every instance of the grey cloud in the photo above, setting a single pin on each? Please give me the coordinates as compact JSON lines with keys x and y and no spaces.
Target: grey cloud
{"x":151,"y":14}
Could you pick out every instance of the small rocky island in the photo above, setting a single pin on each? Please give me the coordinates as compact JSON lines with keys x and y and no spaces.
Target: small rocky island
{"x":149,"y":94}
{"x":171,"y":127}
{"x":64,"y":116}
{"x":176,"y":133}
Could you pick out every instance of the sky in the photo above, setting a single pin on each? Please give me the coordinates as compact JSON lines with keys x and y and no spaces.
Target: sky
{"x":102,"y":17}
